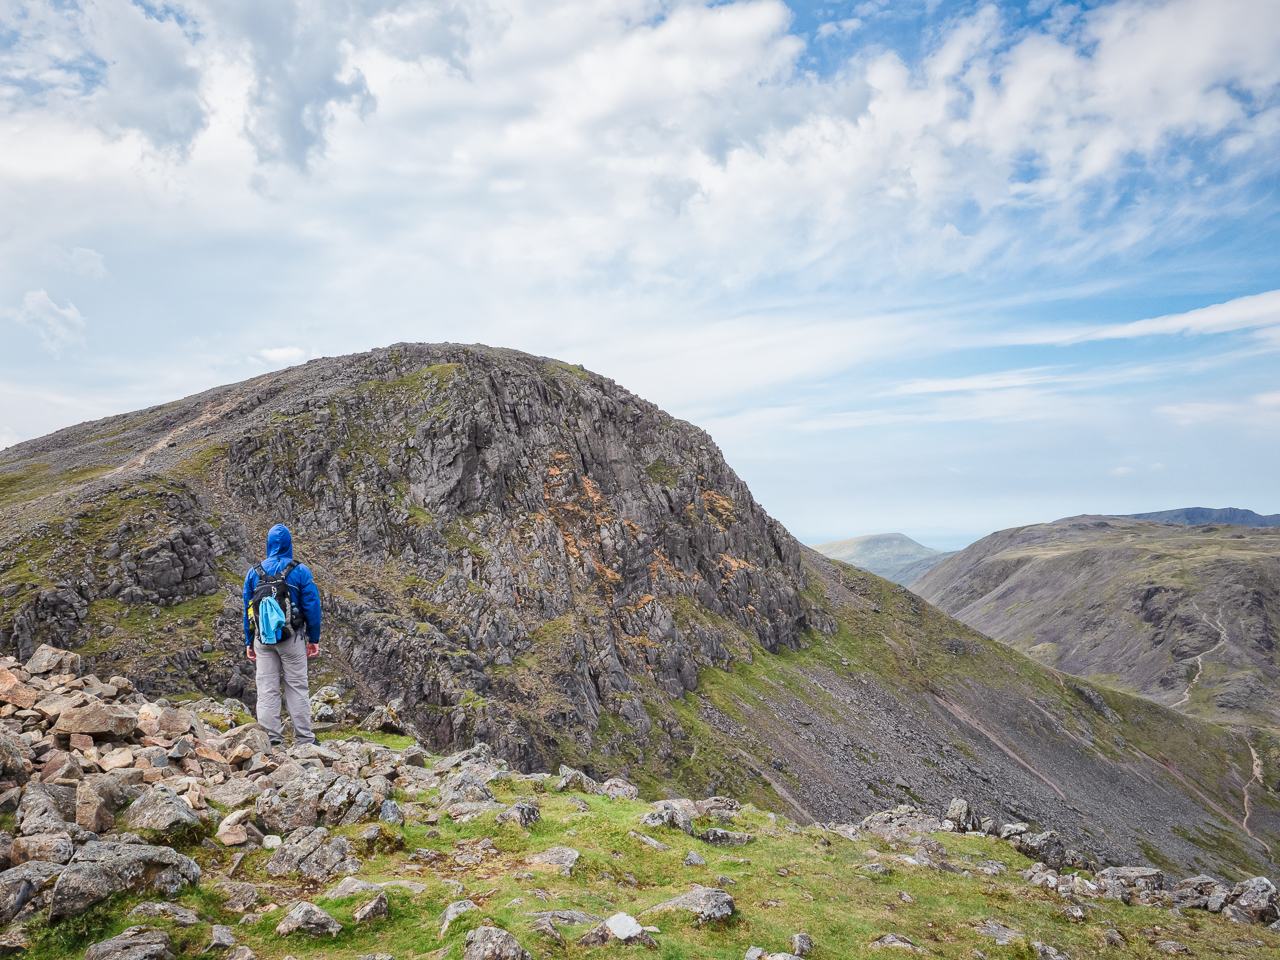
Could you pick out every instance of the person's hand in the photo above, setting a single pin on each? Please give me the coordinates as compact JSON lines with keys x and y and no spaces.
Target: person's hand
{"x":249,"y":652}
{"x":313,"y":649}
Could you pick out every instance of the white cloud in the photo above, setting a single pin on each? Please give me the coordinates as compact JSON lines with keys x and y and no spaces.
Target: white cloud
{"x":87,"y":262}
{"x":57,"y":327}
{"x":1260,"y":310}
{"x":1121,"y":471}
{"x":838,"y":28}
{"x":283,"y":356}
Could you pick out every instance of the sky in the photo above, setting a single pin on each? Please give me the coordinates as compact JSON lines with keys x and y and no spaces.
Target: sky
{"x":932,"y":267}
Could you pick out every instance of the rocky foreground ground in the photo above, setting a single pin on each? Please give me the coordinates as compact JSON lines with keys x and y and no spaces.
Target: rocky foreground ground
{"x":144,"y":831}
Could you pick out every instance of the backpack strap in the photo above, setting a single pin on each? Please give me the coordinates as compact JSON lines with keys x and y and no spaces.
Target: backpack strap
{"x":284,"y":574}
{"x":257,"y":568}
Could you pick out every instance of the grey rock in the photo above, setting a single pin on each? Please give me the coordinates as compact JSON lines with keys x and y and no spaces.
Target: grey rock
{"x":618,"y":789}
{"x":391,"y":813}
{"x":718,"y":837}
{"x":41,"y":811}
{"x":1133,"y":878}
{"x":452,"y":912}
{"x":220,"y":938}
{"x":801,"y":944}
{"x":705,"y":903}
{"x":375,"y":909}
{"x":547,"y":927}
{"x":234,"y":792}
{"x":308,"y":918}
{"x":98,"y":870}
{"x":998,"y":932}
{"x":895,"y":940}
{"x":669,"y":817}
{"x":694,"y":859}
{"x":240,"y":896}
{"x":559,"y":860}
{"x":50,"y":847}
{"x":136,"y":943}
{"x":161,"y":810}
{"x":168,"y":911}
{"x":20,"y":885}
{"x":294,"y":805}
{"x":1045,"y":952}
{"x":491,"y":943}
{"x":522,"y":814}
{"x":1255,"y":897}
{"x":647,"y":840}
{"x":567,"y":918}
{"x":350,"y":887}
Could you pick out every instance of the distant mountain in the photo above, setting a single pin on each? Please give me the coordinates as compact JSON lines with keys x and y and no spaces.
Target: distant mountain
{"x":1187,"y":616}
{"x":893,"y":556}
{"x":1196,"y":516}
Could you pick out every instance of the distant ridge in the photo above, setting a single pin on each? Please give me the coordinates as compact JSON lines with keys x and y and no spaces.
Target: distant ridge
{"x":1195,"y":516}
{"x":894,"y":556}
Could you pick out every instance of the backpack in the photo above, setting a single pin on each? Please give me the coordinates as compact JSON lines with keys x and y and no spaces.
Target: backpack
{"x":271,"y":610}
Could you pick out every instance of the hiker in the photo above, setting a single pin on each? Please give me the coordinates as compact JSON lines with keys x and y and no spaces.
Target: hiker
{"x":279,"y":599}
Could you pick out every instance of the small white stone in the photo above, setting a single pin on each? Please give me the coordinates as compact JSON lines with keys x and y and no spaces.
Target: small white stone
{"x":624,"y":926}
{"x":271,"y":841}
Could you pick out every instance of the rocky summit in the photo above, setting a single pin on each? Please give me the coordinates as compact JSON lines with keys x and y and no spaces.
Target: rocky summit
{"x":515,"y":553}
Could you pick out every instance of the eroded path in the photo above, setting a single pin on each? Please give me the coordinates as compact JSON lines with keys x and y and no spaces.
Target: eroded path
{"x":1256,"y":778}
{"x":1218,"y":625}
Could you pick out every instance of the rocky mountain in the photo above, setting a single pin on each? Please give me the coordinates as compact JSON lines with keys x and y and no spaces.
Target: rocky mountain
{"x":1194,"y":516}
{"x":1189,"y":616}
{"x":893,"y":556}
{"x":514,"y":551}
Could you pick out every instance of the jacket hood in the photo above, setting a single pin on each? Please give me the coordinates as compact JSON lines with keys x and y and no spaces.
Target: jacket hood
{"x":280,"y":542}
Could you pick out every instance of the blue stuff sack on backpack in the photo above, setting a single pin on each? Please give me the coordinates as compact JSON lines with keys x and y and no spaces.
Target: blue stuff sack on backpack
{"x":270,"y":619}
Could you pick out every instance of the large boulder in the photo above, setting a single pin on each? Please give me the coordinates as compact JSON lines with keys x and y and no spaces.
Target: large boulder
{"x":99,"y":869}
{"x":49,"y":659}
{"x":294,"y":805}
{"x":12,"y":753}
{"x":252,"y":736}
{"x":136,"y":943}
{"x":559,"y":860}
{"x":41,"y":810}
{"x":670,"y":816}
{"x":240,"y":896}
{"x":105,"y":721}
{"x":308,"y":918}
{"x":14,"y":691}
{"x":311,"y":853}
{"x":234,"y":792}
{"x":49,"y":847}
{"x":705,"y":903}
{"x":1256,"y":898}
{"x":160,"y":809}
{"x":491,"y":943}
{"x":20,"y":885}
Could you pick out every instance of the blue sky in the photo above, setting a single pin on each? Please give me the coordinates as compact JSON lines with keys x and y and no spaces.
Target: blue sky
{"x":936,"y":267}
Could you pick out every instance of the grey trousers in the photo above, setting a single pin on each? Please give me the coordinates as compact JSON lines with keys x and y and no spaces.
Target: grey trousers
{"x":285,"y":661}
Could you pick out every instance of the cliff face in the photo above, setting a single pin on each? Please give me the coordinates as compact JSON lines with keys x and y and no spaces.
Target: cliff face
{"x":525,"y":509}
{"x":1189,"y":616}
{"x":468,"y":511}
{"x":513,"y":550}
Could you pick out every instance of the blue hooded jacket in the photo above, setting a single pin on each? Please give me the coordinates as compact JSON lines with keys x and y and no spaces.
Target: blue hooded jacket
{"x":302,"y":589}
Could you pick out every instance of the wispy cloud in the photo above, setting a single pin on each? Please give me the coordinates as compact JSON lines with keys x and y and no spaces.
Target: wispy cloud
{"x":57,"y":327}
